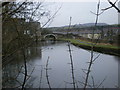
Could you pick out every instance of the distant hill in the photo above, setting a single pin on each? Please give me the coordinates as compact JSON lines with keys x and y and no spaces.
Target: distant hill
{"x":92,"y":24}
{"x":83,"y":25}
{"x":88,"y":26}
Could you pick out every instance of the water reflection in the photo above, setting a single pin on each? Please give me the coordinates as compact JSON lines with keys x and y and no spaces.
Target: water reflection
{"x":37,"y":54}
{"x":48,"y":42}
{"x":33,"y":52}
{"x":13,"y":69}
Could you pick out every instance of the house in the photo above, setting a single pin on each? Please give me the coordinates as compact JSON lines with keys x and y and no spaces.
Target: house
{"x":102,"y":32}
{"x":90,"y":34}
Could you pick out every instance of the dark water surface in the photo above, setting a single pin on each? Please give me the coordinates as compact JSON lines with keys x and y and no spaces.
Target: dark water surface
{"x":105,"y":68}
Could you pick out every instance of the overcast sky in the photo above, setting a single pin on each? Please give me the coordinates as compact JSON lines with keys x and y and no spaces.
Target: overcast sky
{"x":80,"y":13}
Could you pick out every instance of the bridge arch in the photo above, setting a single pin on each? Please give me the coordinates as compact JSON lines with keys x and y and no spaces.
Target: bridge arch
{"x":50,"y":36}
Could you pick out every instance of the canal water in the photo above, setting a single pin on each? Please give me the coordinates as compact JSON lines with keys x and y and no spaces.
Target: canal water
{"x":104,"y":71}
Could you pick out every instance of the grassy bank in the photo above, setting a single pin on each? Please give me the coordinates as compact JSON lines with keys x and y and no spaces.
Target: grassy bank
{"x":99,"y":47}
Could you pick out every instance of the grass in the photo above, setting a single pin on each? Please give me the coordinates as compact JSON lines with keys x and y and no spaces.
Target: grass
{"x":87,"y":43}
{"x":99,"y":47}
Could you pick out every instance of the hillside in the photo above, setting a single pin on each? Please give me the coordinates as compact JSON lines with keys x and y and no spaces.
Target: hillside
{"x":82,"y":25}
{"x":78,"y":26}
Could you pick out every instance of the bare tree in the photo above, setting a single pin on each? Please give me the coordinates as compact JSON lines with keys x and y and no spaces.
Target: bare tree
{"x":92,"y":59}
{"x":113,"y":5}
{"x":26,"y":11}
{"x":71,"y":59}
{"x":47,"y":76}
{"x":5,"y":3}
{"x":41,"y":75}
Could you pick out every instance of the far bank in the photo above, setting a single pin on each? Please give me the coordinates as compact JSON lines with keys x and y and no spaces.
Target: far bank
{"x":98,"y":47}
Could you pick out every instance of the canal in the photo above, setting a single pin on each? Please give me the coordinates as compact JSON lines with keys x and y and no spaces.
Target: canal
{"x":104,"y":70}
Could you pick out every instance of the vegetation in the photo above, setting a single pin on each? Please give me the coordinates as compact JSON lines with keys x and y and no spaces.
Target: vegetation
{"x":20,"y":30}
{"x":99,"y":47}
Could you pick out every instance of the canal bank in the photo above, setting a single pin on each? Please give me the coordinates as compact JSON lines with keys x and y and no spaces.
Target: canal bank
{"x":102,"y":48}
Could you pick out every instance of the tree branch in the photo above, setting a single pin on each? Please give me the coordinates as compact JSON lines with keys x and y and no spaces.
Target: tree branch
{"x":112,"y":6}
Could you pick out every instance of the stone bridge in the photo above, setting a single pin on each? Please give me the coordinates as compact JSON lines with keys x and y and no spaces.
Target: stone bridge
{"x":56,"y":35}
{"x":50,"y":36}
